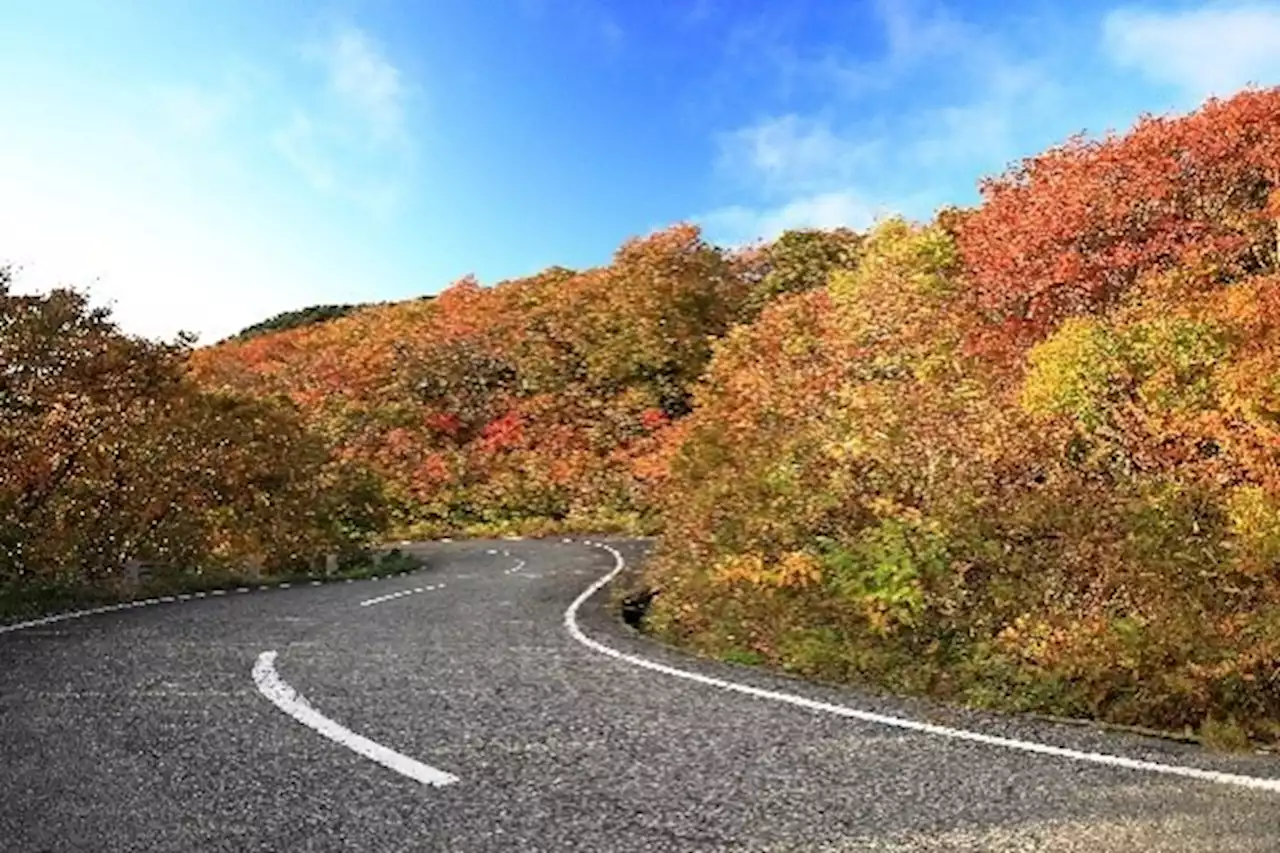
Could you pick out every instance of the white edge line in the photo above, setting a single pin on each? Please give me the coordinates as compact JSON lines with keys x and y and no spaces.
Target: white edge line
{"x":292,"y":703}
{"x":127,"y":605}
{"x":571,"y":623}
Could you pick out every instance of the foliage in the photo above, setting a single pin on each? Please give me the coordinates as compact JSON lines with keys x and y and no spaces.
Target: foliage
{"x":1026,"y":455}
{"x":112,"y":454}
{"x":295,"y":319}
{"x":798,"y":261}
{"x":1069,"y":231}
{"x":524,"y":403}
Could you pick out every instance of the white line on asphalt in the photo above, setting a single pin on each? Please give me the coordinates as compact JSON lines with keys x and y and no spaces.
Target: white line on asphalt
{"x":292,"y":703}
{"x":571,"y":623}
{"x":401,"y":594}
{"x":142,"y":602}
{"x":517,"y":567}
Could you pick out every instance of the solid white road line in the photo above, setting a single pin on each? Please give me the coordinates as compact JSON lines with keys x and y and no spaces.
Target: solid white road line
{"x":571,"y":623}
{"x":292,"y":703}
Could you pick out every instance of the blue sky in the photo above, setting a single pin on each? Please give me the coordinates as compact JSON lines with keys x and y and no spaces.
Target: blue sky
{"x":203,"y":165}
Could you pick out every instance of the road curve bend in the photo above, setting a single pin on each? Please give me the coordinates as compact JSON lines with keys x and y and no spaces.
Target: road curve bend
{"x":490,"y":702}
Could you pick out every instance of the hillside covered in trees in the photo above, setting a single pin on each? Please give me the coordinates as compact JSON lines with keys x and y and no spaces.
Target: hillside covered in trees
{"x":294,"y":320}
{"x":1023,"y":455}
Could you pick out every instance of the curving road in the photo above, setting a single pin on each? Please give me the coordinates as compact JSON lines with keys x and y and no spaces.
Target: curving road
{"x":463,"y":708}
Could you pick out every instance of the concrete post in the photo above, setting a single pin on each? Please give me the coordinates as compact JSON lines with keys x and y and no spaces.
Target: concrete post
{"x":133,"y":573}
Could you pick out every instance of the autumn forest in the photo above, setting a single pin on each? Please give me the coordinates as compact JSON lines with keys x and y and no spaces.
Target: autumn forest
{"x":1024,"y":456}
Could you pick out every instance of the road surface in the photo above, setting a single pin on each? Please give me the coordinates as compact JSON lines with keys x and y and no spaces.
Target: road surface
{"x":460,"y":709}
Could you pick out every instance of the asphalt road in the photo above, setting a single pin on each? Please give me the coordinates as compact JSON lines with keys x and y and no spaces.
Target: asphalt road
{"x":145,"y":729}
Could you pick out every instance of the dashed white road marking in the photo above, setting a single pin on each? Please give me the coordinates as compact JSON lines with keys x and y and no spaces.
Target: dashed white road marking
{"x":571,"y":623}
{"x":517,"y":567}
{"x":292,"y":703}
{"x":148,"y":602}
{"x":400,"y":594}
{"x":60,"y":617}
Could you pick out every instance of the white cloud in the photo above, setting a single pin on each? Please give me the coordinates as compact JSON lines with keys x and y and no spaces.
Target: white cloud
{"x":914,"y":35}
{"x":297,"y":142}
{"x":364,"y":80}
{"x":985,"y":128}
{"x":844,"y":164}
{"x":350,"y":139}
{"x":738,"y":225}
{"x":794,"y":153}
{"x":1212,"y":50}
